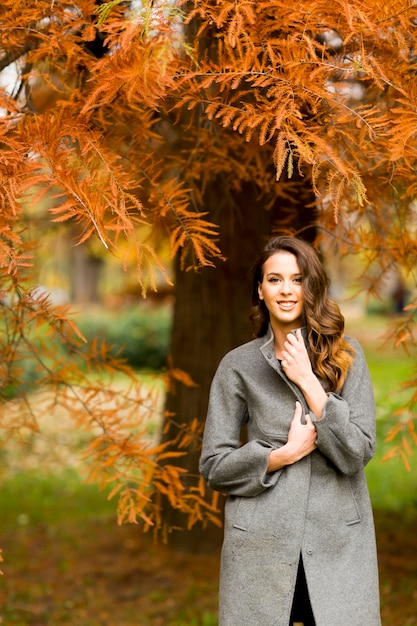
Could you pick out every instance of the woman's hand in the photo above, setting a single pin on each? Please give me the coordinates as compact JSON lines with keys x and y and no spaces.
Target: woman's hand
{"x":301,"y":442}
{"x":295,"y":360}
{"x":301,"y":437}
{"x":297,"y":366}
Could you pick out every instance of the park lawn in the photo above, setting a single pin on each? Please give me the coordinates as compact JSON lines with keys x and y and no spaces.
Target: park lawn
{"x":67,"y":562}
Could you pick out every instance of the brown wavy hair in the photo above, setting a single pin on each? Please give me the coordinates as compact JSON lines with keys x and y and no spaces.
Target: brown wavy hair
{"x":331,"y":355}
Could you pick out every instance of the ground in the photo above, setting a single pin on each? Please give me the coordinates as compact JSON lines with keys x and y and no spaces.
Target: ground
{"x":101,"y":574}
{"x":98,"y":573}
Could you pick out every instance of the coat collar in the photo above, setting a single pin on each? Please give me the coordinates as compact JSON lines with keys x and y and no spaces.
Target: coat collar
{"x":267,"y":348}
{"x":268,"y":352}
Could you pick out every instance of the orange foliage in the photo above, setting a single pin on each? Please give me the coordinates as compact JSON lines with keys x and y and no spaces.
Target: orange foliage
{"x":125,"y":111}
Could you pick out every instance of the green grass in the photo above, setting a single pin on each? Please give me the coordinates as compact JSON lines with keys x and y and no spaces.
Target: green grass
{"x":32,"y":494}
{"x":36,"y":497}
{"x":187,"y":618}
{"x":392,"y":487}
{"x":31,"y":498}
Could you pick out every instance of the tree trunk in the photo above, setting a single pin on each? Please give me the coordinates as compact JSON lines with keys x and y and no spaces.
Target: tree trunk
{"x":211,"y":316}
{"x":85,"y":270}
{"x":211,"y":312}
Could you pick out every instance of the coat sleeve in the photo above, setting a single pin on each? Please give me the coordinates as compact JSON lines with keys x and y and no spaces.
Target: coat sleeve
{"x":346,"y":431}
{"x":226,"y":465}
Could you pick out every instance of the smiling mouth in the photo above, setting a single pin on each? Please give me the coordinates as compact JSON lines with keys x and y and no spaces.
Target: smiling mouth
{"x":287,"y":305}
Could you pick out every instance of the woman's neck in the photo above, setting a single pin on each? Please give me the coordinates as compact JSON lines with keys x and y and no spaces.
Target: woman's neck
{"x":280,"y":336}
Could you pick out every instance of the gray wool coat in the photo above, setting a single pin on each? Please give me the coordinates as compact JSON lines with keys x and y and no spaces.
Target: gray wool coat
{"x":318,"y":507}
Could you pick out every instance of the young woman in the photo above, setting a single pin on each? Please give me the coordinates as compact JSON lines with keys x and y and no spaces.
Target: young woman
{"x":299,"y":541}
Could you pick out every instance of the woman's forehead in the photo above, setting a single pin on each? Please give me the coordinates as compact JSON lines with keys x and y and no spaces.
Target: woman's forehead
{"x":282,"y":262}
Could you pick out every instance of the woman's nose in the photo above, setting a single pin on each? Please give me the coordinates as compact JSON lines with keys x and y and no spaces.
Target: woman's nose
{"x":286,"y":286}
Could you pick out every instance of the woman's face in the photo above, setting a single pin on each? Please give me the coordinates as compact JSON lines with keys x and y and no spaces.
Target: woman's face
{"x":282,"y":291}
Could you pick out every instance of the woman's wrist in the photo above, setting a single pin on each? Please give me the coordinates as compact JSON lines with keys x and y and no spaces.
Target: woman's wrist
{"x":315,"y":395}
{"x":280,"y":457}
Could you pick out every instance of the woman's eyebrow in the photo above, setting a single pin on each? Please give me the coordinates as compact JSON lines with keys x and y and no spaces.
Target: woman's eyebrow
{"x":279,"y":274}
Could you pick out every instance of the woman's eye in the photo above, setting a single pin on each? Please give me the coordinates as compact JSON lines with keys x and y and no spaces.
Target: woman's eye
{"x":298,"y":280}
{"x":273,"y":280}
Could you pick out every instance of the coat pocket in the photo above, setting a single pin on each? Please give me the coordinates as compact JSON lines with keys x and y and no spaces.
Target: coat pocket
{"x":353,"y":514}
{"x":240,"y":511}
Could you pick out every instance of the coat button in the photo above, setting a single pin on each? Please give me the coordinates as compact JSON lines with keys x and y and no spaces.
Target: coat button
{"x":309,"y":551}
